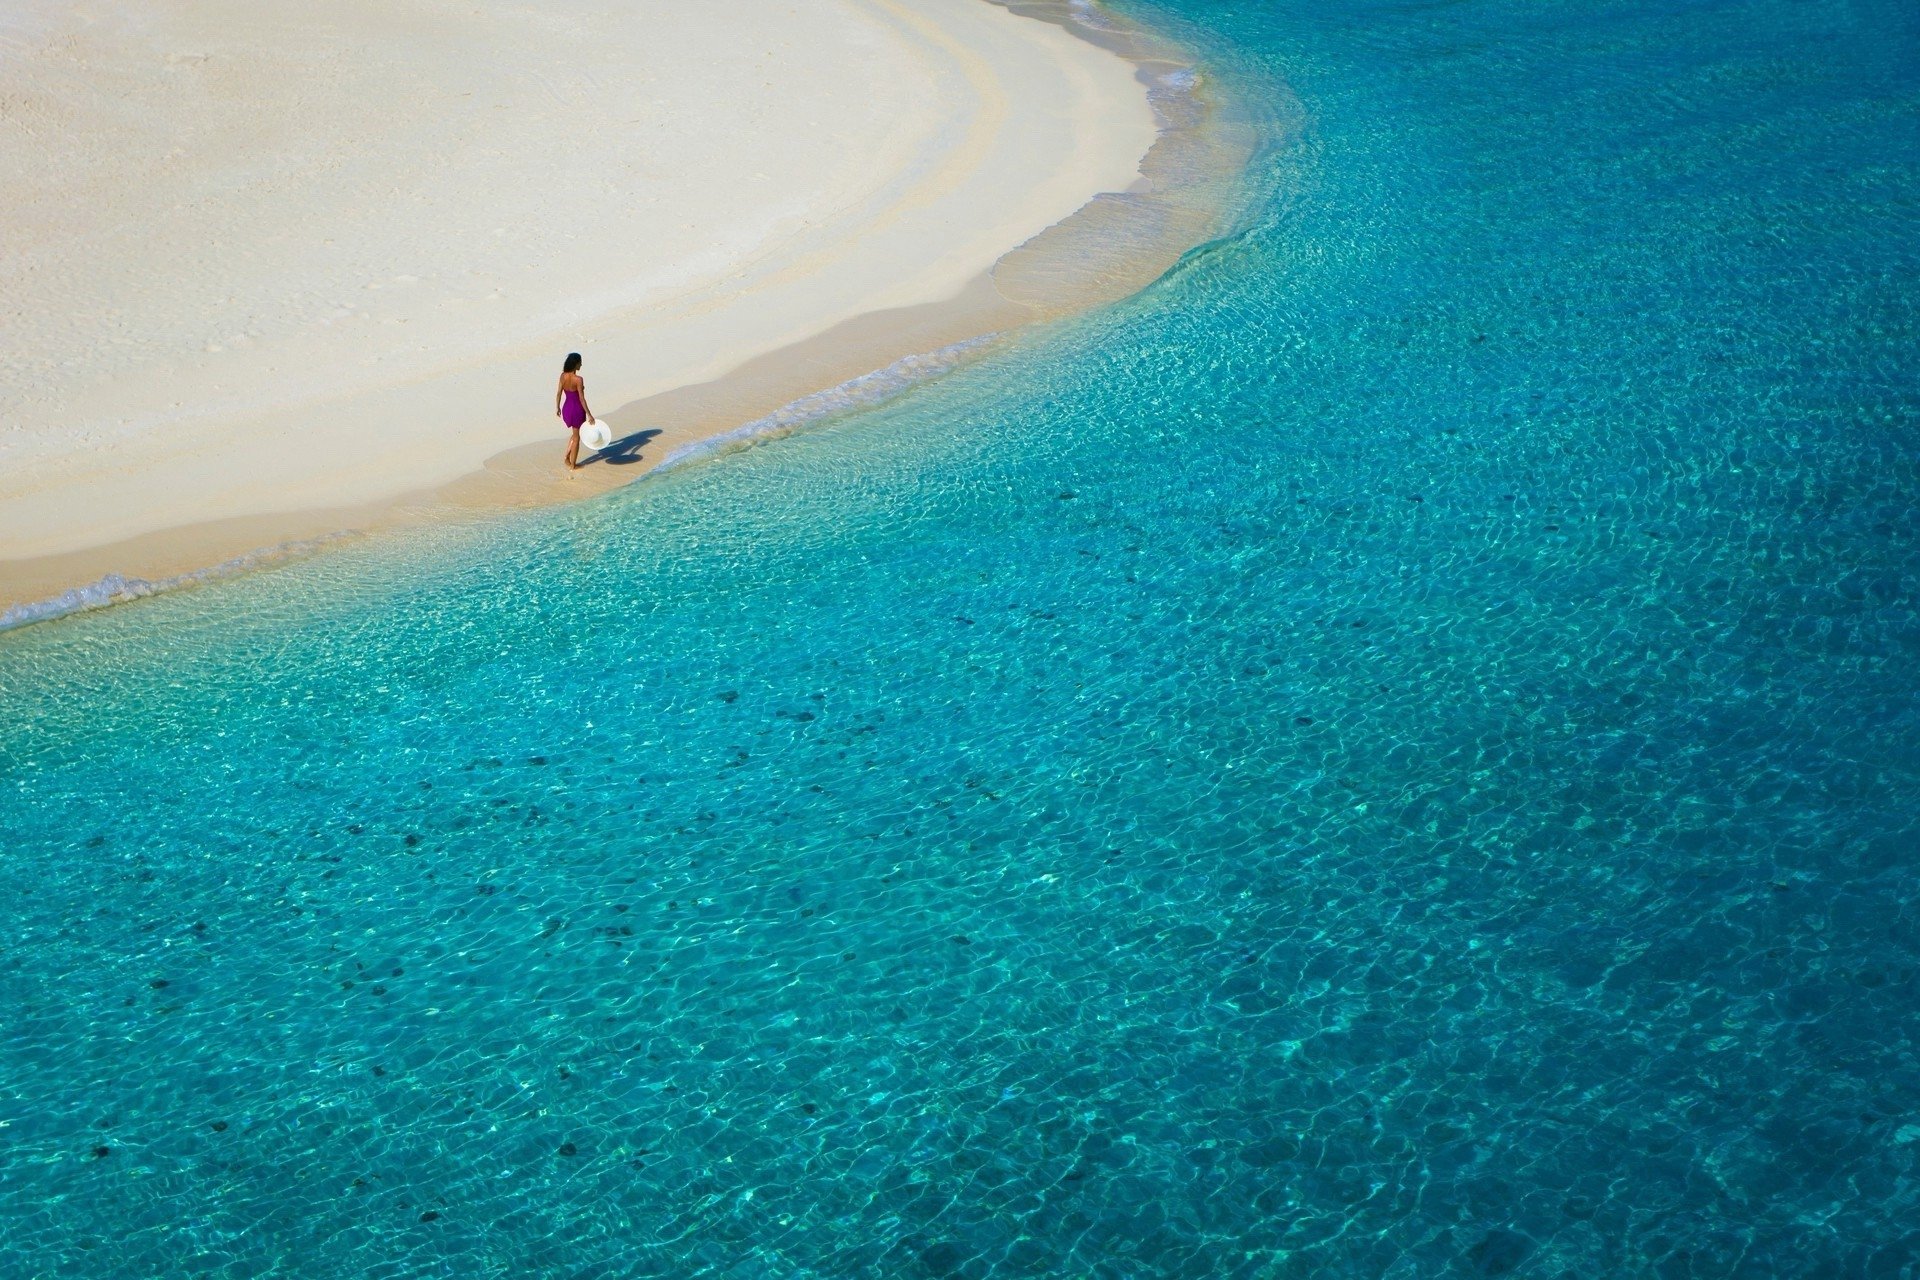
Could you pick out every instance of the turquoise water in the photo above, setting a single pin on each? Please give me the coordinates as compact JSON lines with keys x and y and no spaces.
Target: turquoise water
{"x":1391,"y":754}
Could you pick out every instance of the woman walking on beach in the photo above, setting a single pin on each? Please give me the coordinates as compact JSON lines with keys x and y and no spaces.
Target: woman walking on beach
{"x":570,"y":406}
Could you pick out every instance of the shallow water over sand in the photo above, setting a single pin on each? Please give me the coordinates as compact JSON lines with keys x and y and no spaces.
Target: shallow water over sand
{"x":1390,"y":754}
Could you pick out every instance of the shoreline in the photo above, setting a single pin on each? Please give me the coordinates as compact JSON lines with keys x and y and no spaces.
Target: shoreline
{"x":1110,"y":248}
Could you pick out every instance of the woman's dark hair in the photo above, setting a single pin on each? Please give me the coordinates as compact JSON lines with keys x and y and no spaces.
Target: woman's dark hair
{"x":572,"y":364}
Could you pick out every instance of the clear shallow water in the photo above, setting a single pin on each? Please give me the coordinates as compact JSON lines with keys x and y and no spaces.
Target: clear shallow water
{"x":1392,"y":754}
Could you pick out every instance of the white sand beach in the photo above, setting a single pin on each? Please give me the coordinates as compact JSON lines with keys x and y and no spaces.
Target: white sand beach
{"x":267,"y":259}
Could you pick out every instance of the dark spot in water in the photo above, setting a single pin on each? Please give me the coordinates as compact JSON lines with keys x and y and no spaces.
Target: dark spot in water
{"x":158,"y":984}
{"x":568,"y":1149}
{"x":425,"y":785}
{"x":379,"y":1071}
{"x":486,"y":890}
{"x":803,"y":715}
{"x":1499,"y":1252}
{"x":346,"y":984}
{"x":961,"y":940}
{"x":199,"y":926}
{"x":1506,"y":497}
{"x":943,"y":1259}
{"x":219,"y":1126}
{"x":413,"y":838}
{"x":1067,"y":495}
{"x":963,"y":621}
{"x":730,"y":696}
{"x":808,"y":1107}
{"x":379,"y":991}
{"x":536,"y":760}
{"x":565,"y":1074}
{"x":897,"y":1014}
{"x":846,"y":956}
{"x":1358,"y":623}
{"x":1303,"y":719}
{"x":101,"y":1153}
{"x":805,"y":912}
{"x":354,"y":828}
{"x":1781,"y":886}
{"x":1416,"y":498}
{"x":397,"y":971}
{"x":673,"y":906}
{"x":94,"y":842}
{"x":429,"y":1216}
{"x":1266,"y":1155}
{"x":1553,"y":528}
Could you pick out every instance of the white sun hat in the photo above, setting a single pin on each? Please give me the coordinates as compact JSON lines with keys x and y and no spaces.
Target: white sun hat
{"x":596,"y":435}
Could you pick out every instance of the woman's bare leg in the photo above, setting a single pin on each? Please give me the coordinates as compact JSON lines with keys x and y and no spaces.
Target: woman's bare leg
{"x":573,"y":449}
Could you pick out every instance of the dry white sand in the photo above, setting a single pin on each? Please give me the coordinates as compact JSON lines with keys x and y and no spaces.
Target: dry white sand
{"x":264,"y":257}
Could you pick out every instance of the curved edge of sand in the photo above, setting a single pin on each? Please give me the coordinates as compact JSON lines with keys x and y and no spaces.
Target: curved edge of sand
{"x":1114,"y":246}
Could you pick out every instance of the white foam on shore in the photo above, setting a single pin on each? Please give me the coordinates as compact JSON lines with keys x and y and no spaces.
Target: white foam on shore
{"x":1088,"y":14}
{"x":116,"y":588}
{"x":863,"y":392}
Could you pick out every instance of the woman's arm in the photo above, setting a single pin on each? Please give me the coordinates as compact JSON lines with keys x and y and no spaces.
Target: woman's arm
{"x":583,"y":401}
{"x":559,"y":393}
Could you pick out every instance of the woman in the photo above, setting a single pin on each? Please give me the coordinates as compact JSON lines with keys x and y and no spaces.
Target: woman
{"x":570,"y":406}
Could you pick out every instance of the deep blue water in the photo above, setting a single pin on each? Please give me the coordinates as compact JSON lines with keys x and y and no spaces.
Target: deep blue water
{"x":1391,"y":754}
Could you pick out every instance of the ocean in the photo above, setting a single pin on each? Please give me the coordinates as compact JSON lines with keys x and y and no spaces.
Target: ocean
{"x":1393,"y":753}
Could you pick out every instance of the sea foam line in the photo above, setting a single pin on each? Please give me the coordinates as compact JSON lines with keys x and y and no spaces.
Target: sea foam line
{"x":117,"y":588}
{"x":863,"y":392}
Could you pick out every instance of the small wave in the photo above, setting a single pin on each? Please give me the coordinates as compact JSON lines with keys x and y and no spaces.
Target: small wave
{"x":863,"y":392}
{"x":1087,"y":13}
{"x":119,"y":589}
{"x":1180,"y":80}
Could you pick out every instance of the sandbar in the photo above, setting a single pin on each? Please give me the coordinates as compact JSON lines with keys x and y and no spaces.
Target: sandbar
{"x":284,"y":273}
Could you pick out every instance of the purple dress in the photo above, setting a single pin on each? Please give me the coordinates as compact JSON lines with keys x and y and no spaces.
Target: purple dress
{"x":572,"y":412}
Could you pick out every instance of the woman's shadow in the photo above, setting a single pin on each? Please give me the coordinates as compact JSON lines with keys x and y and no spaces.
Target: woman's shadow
{"x":622,"y":452}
